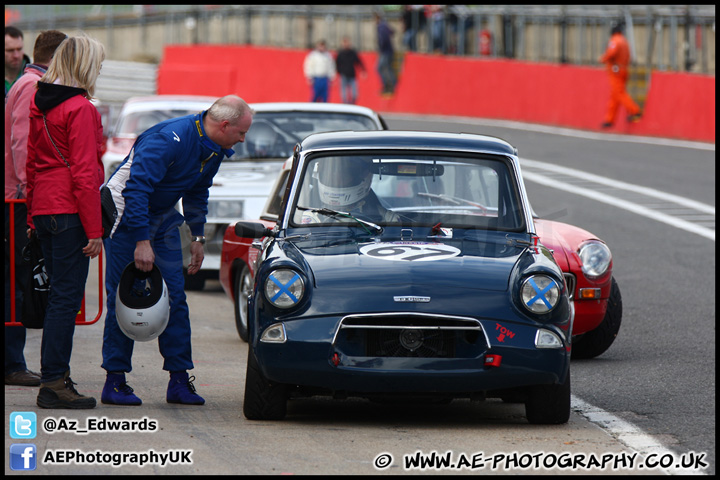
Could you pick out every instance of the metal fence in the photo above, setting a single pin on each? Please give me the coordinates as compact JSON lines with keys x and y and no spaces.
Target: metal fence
{"x":662,"y":37}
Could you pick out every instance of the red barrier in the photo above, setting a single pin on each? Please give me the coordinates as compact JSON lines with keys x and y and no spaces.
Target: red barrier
{"x":677,"y":106}
{"x":80,"y":319}
{"x":681,"y":106}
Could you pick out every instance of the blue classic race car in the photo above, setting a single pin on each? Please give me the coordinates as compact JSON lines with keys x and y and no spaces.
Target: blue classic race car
{"x":406,"y":264}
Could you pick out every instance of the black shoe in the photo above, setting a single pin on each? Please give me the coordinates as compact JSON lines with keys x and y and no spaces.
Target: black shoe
{"x":606,"y":125}
{"x":634,"y":118}
{"x":25,"y":378}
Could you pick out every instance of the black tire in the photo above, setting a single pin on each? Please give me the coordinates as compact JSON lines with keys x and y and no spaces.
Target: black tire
{"x":243,"y":289}
{"x":264,"y":400}
{"x":549,"y":404}
{"x":596,"y":342}
{"x":194,"y":282}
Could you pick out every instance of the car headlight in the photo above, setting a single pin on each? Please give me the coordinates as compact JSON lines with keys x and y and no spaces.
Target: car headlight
{"x":540,"y":293}
{"x":595,"y":257}
{"x":230,"y":209}
{"x":284,"y":288}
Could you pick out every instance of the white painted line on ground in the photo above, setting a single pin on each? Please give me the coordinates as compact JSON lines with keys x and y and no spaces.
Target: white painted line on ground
{"x":629,"y":435}
{"x":624,"y":204}
{"x":650,"y":192}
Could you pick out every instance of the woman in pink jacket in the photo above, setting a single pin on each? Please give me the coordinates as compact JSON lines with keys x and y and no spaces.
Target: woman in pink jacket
{"x":64,"y":175}
{"x":17,"y":122}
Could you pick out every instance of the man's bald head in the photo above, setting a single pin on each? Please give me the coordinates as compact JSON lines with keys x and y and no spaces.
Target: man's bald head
{"x":228,"y":120}
{"x":229,"y":108}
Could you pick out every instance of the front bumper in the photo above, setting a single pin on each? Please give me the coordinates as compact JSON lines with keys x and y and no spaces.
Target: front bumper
{"x":328,"y":353}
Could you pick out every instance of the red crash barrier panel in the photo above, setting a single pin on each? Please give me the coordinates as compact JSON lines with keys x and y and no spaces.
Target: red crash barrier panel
{"x":678,"y":105}
{"x":81,"y":318}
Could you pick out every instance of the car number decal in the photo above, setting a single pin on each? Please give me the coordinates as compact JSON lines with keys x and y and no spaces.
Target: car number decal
{"x":410,"y":252}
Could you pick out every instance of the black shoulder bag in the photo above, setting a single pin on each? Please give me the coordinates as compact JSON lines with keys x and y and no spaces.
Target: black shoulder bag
{"x":107,"y":204}
{"x":37,"y":290}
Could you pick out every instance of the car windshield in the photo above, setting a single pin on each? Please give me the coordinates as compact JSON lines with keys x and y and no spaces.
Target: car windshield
{"x":274,"y":134}
{"x":447,"y":191}
{"x":133,"y":124}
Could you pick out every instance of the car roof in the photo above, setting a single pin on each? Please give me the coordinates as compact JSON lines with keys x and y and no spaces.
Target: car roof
{"x":151,"y":102}
{"x":394,"y":139}
{"x":311,"y":107}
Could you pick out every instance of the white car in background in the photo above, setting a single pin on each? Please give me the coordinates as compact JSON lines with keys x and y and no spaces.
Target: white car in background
{"x":244,"y":180}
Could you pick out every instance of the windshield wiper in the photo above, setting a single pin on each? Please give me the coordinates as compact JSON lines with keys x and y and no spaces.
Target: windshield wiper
{"x":335,"y":214}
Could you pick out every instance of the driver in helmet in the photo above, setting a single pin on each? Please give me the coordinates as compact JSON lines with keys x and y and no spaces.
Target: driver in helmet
{"x":262,"y":140}
{"x":344,"y":184}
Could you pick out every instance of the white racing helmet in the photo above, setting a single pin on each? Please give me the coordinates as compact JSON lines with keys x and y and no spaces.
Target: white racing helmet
{"x":142,"y":303}
{"x":343,"y":181}
{"x":261,"y":140}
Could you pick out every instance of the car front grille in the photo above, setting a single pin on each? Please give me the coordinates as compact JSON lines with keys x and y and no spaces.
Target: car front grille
{"x":410,"y":343}
{"x":570,"y":282}
{"x":411,"y":335}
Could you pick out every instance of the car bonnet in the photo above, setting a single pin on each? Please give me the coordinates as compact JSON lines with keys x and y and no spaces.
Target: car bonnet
{"x":466,"y":264}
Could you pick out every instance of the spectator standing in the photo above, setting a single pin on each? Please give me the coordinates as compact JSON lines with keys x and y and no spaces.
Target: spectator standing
{"x":15,"y":58}
{"x":436,"y":13}
{"x":64,"y":175}
{"x":319,"y":69}
{"x":386,"y":56}
{"x":413,"y":18}
{"x":17,"y":122}
{"x":617,"y":60}
{"x":348,"y":62}
{"x":174,"y":159}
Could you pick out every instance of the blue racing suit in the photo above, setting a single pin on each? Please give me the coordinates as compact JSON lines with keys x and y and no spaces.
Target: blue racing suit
{"x":174,"y":159}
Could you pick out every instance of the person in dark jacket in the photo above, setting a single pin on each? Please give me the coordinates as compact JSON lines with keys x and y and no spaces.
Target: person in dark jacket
{"x":347,"y":63}
{"x":386,"y":55}
{"x":174,"y":159}
{"x":15,"y":58}
{"x":64,"y":175}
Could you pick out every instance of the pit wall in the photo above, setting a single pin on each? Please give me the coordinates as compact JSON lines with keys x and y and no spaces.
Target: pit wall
{"x":678,"y":105}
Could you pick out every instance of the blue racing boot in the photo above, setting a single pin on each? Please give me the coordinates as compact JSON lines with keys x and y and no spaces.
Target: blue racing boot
{"x":117,"y":392}
{"x":181,"y":390}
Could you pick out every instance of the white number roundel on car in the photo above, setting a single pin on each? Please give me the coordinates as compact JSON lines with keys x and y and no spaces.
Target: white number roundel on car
{"x":409,"y":252}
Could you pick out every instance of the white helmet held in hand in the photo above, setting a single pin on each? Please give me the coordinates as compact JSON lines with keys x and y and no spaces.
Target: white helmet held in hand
{"x":142,"y":303}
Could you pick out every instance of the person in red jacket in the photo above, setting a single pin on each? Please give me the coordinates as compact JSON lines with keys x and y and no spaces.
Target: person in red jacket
{"x":617,"y":60}
{"x":64,"y":175}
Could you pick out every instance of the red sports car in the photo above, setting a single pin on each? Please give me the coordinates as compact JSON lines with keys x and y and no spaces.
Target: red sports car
{"x":584,"y":258}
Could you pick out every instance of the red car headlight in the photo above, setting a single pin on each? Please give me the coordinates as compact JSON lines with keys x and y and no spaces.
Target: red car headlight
{"x":595,"y":257}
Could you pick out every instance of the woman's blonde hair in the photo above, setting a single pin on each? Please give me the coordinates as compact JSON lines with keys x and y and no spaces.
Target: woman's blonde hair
{"x":76,"y":63}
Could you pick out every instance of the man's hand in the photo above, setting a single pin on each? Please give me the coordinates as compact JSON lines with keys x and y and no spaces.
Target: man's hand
{"x":144,"y":256}
{"x":93,"y":248}
{"x":197,"y":254}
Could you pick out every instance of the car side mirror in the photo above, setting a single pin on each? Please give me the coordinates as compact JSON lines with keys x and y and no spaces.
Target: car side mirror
{"x":252,"y":230}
